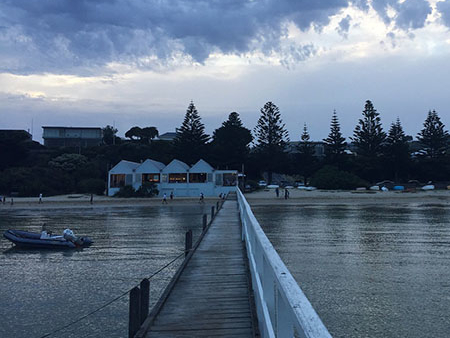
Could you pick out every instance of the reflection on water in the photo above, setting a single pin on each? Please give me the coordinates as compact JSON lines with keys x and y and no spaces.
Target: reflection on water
{"x":368,"y":271}
{"x":42,"y":290}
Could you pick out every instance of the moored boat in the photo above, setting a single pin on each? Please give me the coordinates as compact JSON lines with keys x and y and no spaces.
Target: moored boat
{"x":45,"y":240}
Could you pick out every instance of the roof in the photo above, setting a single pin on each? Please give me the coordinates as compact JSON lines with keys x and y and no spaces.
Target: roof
{"x":176,"y":166}
{"x":124,"y":166}
{"x":169,"y":136}
{"x":150,"y":166}
{"x":53,"y":127}
{"x":201,"y":167}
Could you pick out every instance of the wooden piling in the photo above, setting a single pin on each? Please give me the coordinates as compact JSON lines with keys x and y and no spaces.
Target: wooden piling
{"x":217,"y":205}
{"x":212,"y":212}
{"x":188,"y":243}
{"x":144,"y":299}
{"x":205,"y":221}
{"x":134,"y":318}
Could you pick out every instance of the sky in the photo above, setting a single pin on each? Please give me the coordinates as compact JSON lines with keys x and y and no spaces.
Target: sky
{"x":140,"y":62}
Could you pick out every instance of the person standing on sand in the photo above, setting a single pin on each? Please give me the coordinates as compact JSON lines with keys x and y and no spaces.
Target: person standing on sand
{"x":164,"y":201}
{"x":202,"y":197}
{"x":286,"y":194}
{"x":277,"y":192}
{"x":171,"y":195}
{"x":40,"y":198}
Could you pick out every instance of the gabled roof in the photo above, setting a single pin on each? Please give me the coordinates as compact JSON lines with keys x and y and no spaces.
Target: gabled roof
{"x":201,"y":167}
{"x":150,"y":166}
{"x":124,"y":167}
{"x":176,"y":166}
{"x":169,"y":136}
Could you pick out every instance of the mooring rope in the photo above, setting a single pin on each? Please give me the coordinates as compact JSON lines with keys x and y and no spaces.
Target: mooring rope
{"x":111,"y":301}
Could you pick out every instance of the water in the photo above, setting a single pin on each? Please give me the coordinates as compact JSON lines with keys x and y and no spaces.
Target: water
{"x":369,"y":271}
{"x":42,"y":290}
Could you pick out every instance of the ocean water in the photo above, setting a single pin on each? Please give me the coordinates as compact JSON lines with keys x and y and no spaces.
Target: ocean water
{"x":43,"y":290}
{"x":369,"y":271}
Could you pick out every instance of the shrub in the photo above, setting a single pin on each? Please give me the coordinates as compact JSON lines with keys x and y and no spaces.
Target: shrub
{"x":126,"y":191}
{"x":146,"y":190}
{"x":330,"y":177}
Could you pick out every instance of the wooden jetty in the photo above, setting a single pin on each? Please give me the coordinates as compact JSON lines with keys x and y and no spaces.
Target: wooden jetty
{"x":212,"y":295}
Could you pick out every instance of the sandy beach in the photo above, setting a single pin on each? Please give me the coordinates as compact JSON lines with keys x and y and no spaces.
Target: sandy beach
{"x":262,"y":197}
{"x":83,"y":201}
{"x":334,"y":197}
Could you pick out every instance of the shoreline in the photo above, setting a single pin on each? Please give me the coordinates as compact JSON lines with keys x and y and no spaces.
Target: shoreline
{"x":336,"y":198}
{"x":257,"y":198}
{"x":83,"y":201}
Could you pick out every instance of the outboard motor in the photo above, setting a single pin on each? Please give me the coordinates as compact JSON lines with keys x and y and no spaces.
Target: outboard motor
{"x":69,"y":235}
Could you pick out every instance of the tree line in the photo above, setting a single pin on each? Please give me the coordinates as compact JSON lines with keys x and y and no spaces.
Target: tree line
{"x":371,"y":154}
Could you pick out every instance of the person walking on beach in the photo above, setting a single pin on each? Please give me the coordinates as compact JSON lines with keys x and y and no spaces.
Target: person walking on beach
{"x":202,"y":197}
{"x":286,"y":194}
{"x":40,"y":198}
{"x":277,"y":192}
{"x":171,"y":195}
{"x":164,"y":201}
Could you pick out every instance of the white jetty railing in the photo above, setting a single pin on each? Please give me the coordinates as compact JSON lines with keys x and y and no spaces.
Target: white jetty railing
{"x":282,"y":308}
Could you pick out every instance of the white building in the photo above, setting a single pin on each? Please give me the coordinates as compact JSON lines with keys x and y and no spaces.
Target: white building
{"x":123,"y":173}
{"x":177,"y":178}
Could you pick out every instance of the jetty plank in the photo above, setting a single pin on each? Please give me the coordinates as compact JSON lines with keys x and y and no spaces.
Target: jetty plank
{"x":212,"y":296}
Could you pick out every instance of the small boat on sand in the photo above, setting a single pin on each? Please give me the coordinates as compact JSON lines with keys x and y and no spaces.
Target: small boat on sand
{"x":45,"y":240}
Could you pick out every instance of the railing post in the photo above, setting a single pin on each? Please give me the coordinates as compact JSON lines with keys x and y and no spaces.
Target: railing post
{"x":188,"y":243}
{"x":205,"y":221}
{"x":145,"y":298}
{"x":134,"y":318}
{"x":284,"y":325}
{"x":212,"y":213}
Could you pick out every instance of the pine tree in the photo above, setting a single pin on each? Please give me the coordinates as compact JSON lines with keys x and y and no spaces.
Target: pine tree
{"x":368,"y":135}
{"x":271,"y":138}
{"x":307,"y":162}
{"x":305,"y":146}
{"x":335,"y":143}
{"x":433,"y":137}
{"x":230,"y":143}
{"x":397,"y":149}
{"x":270,"y":130}
{"x":191,"y":140}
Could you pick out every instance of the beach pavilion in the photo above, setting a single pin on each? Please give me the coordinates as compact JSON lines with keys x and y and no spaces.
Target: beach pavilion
{"x":177,"y":178}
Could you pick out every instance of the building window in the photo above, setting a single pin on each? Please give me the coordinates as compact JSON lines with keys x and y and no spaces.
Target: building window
{"x":198,"y":178}
{"x":177,"y":178}
{"x":117,"y":180}
{"x":219,"y":179}
{"x":229,"y":180}
{"x":150,"y":178}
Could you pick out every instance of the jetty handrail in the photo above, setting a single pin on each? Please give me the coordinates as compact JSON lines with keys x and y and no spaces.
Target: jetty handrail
{"x":282,"y":308}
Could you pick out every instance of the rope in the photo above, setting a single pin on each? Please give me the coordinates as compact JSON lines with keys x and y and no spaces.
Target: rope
{"x":111,"y":301}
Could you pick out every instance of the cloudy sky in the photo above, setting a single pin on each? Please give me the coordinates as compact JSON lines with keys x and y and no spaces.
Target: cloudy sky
{"x":140,"y":62}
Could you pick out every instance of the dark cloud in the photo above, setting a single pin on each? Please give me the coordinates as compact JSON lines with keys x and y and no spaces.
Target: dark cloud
{"x":76,"y":35}
{"x":410,"y":13}
{"x":444,"y":8}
